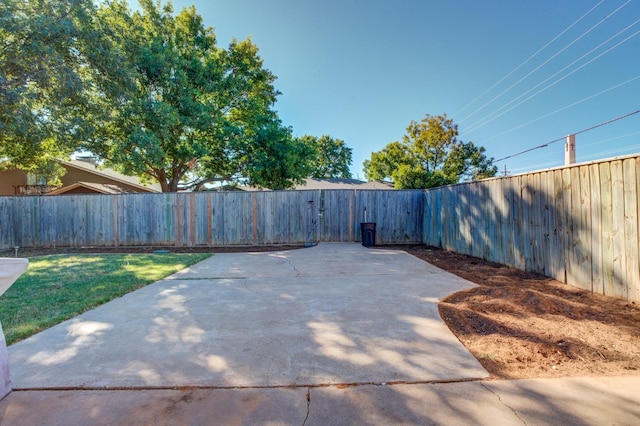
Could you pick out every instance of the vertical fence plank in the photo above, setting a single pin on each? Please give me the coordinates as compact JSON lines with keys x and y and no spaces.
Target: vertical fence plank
{"x":568,"y":219}
{"x":557,"y":247}
{"x":596,"y":229}
{"x":617,"y":202}
{"x":632,"y":276}
{"x":575,"y":224}
{"x":607,"y":229}
{"x":527,"y":221}
{"x":546,"y":200}
{"x":518,"y":224}
{"x":636,"y":291}
{"x":578,"y":224}
{"x":584,"y":232}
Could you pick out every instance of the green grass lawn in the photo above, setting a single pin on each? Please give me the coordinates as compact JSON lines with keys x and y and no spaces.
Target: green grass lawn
{"x":58,"y":287}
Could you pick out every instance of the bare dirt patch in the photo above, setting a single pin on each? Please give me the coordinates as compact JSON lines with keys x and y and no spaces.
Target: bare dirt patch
{"x":524,"y":325}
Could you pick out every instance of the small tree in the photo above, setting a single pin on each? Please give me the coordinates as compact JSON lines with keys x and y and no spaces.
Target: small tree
{"x":429,"y":155}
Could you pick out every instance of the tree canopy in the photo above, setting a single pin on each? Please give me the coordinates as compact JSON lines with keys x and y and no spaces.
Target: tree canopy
{"x":184,"y":112}
{"x":329,"y":157}
{"x":429,"y":155}
{"x":42,"y":85}
{"x":148,"y":92}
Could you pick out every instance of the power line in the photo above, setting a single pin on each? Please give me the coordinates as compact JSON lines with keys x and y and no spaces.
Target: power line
{"x":481,"y":123}
{"x":559,"y":80}
{"x":565,"y":107}
{"x":611,"y":151}
{"x":545,"y":62}
{"x":525,"y":163}
{"x":574,"y":133}
{"x":609,"y":139}
{"x":528,"y":59}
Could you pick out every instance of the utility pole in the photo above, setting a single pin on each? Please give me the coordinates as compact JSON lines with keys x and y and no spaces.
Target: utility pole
{"x":570,"y":150}
{"x":505,"y":172}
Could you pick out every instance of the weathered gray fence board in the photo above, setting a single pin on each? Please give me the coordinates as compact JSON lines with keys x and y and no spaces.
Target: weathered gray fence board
{"x":577,"y":224}
{"x":209,"y":219}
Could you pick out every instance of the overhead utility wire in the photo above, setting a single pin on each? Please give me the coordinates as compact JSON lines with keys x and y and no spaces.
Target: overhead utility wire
{"x":612,"y":151}
{"x":488,"y":119}
{"x":565,"y":107}
{"x":528,"y":59}
{"x":528,"y":160}
{"x":563,"y":138}
{"x":545,"y":62}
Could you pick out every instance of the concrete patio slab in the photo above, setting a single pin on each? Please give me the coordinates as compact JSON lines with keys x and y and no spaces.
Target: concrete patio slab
{"x":572,"y":401}
{"x":332,"y":314}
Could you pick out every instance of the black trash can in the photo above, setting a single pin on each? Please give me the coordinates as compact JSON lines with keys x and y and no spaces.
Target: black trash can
{"x":368,"y":231}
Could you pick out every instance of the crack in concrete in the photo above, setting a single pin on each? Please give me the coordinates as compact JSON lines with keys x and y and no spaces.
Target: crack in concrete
{"x":213,"y":387}
{"x":504,"y":403}
{"x":308,"y":406}
{"x":292,"y":266}
{"x":203,"y":278}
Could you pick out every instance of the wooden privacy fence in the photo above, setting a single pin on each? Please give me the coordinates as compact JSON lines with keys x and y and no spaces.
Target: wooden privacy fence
{"x":209,"y":218}
{"x":577,"y":224}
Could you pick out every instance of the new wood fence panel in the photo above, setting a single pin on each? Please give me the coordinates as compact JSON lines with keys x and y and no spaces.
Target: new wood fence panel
{"x":619,"y":259}
{"x":489,"y":233}
{"x":607,"y":229}
{"x":596,"y":229}
{"x":546,"y":201}
{"x":540,"y":218}
{"x":584,"y":232}
{"x":568,"y":219}
{"x":557,"y":249}
{"x":505,"y":224}
{"x":632,"y":266}
{"x":501,"y":235}
{"x":517,"y":223}
{"x":637,"y":289}
{"x":527,"y":212}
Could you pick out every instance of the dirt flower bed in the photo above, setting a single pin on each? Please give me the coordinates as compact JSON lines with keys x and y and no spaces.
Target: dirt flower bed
{"x":524,"y":325}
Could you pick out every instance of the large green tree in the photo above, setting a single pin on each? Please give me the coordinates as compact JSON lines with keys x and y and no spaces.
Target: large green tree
{"x":429,"y":155}
{"x":43,"y":103}
{"x":182,"y":111}
{"x":329,"y":157}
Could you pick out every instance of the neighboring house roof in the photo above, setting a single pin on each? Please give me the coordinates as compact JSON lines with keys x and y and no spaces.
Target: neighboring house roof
{"x":89,"y":187}
{"x":335,"y":183}
{"x":111,"y":175}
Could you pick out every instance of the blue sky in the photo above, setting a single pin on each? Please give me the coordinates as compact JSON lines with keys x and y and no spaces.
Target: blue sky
{"x":361,"y":70}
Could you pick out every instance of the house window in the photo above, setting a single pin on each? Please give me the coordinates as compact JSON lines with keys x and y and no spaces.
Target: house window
{"x":35,"y":179}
